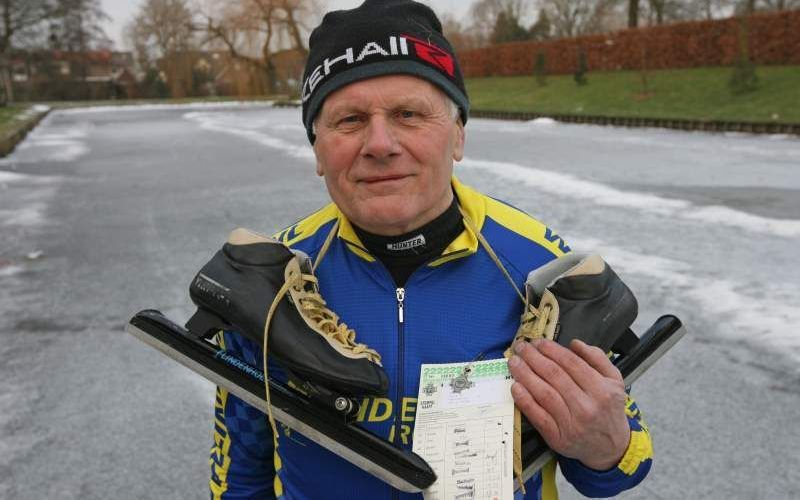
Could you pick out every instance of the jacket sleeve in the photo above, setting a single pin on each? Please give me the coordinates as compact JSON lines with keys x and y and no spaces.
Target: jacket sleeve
{"x":241,"y":461}
{"x":630,"y":471}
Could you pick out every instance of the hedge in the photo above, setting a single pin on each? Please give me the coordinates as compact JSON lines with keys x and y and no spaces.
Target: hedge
{"x":773,"y":38}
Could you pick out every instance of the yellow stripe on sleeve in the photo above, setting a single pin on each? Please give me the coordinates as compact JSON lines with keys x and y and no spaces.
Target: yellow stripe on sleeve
{"x":639,"y":449}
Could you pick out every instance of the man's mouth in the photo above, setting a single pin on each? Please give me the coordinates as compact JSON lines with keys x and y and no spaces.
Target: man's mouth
{"x":382,"y":178}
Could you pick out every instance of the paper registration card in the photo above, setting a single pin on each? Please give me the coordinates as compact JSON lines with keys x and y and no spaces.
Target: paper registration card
{"x":464,"y":429}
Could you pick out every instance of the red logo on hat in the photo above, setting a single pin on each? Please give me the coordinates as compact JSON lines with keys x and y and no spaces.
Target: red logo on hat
{"x":434,"y":55}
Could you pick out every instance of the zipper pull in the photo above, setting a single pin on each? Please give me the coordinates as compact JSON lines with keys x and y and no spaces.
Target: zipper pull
{"x":401,"y":295}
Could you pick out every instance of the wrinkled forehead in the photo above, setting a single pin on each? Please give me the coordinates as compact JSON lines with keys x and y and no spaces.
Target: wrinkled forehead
{"x":389,"y":91}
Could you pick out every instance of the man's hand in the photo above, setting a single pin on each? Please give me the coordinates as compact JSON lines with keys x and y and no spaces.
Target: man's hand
{"x":574,"y":397}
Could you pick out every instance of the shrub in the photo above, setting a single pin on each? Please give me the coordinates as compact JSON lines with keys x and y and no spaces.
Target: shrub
{"x":540,"y":69}
{"x":583,"y":68}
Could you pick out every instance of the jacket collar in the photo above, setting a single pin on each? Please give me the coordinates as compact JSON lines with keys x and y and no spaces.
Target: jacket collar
{"x":471,"y":202}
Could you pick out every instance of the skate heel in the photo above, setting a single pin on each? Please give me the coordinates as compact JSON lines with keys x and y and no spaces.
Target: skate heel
{"x":204,"y":323}
{"x":341,"y":404}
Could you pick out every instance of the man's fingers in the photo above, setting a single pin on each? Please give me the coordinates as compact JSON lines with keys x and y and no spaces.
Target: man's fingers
{"x":584,"y":375}
{"x":550,"y":370}
{"x":536,"y":415}
{"x":596,"y":358}
{"x":540,"y":390}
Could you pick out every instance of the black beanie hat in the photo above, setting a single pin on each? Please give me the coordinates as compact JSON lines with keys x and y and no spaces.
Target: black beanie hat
{"x":379,"y":37}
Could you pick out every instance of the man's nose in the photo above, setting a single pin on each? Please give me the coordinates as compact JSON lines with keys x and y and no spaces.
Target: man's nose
{"x":380,"y":140}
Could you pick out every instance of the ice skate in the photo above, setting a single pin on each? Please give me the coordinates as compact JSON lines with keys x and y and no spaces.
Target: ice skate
{"x":258,"y":286}
{"x":400,"y":468}
{"x":579,"y":296}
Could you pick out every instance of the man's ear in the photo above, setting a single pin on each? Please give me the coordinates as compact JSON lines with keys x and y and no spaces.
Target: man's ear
{"x":316,"y":157}
{"x":458,"y":146}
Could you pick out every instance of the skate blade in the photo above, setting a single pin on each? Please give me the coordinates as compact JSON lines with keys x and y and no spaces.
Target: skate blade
{"x":657,"y":340}
{"x":401,"y":469}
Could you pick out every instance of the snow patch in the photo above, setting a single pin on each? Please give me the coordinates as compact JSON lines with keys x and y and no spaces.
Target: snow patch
{"x":10,"y":270}
{"x":11,"y":177}
{"x":53,"y":143}
{"x":569,"y":186}
{"x":543,"y":121}
{"x":767,"y":317}
{"x":25,"y":216}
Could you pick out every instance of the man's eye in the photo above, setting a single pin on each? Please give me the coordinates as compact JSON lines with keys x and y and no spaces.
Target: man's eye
{"x":407,"y":113}
{"x":349,"y":119}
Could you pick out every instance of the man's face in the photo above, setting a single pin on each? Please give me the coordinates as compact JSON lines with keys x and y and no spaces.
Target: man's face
{"x":386,"y":148}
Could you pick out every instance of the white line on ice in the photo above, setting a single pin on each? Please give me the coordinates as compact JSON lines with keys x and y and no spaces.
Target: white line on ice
{"x":221,"y":122}
{"x":566,"y":185}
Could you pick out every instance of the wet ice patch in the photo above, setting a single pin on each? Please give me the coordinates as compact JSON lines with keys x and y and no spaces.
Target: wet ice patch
{"x":251,"y":130}
{"x":569,"y":186}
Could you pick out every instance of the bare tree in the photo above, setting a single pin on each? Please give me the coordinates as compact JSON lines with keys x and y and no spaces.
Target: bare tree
{"x":780,"y":4}
{"x":657,"y":12}
{"x":461,"y":38}
{"x":579,"y":17}
{"x":254,"y":30}
{"x":163,"y":30}
{"x":76,"y":26}
{"x":633,"y":13}
{"x":18,"y":16}
{"x":160,"y":28}
{"x":485,"y":15}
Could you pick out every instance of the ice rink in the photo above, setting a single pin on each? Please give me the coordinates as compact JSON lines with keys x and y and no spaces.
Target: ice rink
{"x":110,"y":210}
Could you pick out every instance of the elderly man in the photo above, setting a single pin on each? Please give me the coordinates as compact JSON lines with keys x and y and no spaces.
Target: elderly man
{"x":418,"y":264}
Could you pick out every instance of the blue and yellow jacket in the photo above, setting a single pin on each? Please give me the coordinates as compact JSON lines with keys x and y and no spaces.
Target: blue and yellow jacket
{"x":455,"y":308}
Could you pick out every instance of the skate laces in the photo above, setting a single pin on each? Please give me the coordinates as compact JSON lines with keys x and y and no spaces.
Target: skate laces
{"x":305,"y":292}
{"x":533,"y":322}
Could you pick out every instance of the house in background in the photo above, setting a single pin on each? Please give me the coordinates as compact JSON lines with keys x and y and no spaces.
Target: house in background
{"x":49,"y":75}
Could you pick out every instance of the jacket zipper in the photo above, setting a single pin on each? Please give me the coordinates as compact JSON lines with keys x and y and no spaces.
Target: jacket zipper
{"x":401,"y":297}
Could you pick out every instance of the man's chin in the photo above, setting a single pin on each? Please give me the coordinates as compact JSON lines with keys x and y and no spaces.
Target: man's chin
{"x":385,"y":221}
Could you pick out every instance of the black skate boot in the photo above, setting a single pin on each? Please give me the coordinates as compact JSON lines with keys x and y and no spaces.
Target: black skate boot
{"x":259,"y":287}
{"x":577,"y":296}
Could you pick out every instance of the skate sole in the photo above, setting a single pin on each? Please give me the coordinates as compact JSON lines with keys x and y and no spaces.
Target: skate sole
{"x":401,"y":469}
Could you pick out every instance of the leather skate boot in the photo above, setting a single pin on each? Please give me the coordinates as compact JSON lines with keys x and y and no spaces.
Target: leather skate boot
{"x":577,"y":296}
{"x":261,"y":288}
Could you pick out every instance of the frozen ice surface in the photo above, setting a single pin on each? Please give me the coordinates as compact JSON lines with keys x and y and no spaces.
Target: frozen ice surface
{"x":127,"y":203}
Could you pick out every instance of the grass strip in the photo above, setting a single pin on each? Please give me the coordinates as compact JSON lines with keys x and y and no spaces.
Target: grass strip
{"x":698,"y":94}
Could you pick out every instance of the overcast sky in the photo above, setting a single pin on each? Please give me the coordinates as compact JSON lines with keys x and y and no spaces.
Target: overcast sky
{"x":121,"y":11}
